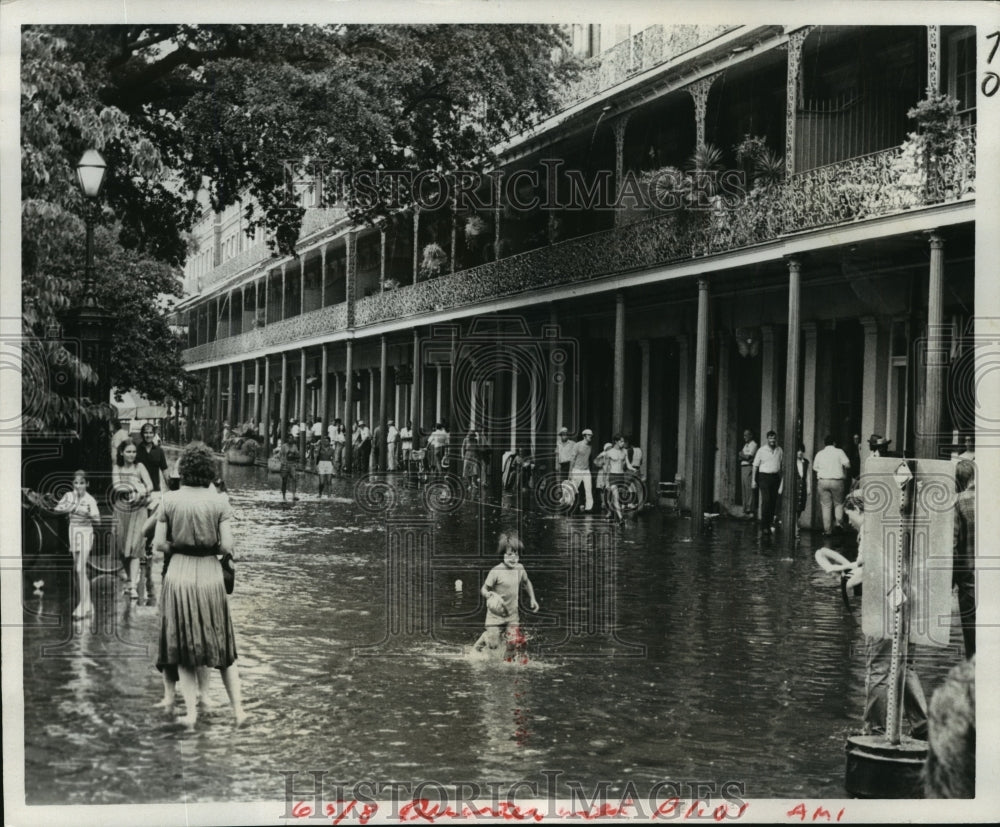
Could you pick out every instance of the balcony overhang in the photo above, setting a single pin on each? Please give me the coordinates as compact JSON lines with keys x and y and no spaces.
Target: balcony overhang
{"x":907,"y":223}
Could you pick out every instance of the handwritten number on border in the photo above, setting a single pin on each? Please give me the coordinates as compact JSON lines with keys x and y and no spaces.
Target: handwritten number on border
{"x":991,"y":80}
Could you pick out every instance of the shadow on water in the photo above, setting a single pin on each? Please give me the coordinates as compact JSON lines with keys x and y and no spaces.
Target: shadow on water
{"x":653,"y":658}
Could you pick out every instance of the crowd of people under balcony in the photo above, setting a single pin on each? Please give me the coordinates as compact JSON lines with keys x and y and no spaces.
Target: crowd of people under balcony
{"x":831,"y":474}
{"x":387,"y":448}
{"x":616,"y":472}
{"x":834,"y":474}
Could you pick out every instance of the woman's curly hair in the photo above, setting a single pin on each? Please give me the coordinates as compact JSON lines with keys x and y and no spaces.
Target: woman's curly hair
{"x":197,"y":465}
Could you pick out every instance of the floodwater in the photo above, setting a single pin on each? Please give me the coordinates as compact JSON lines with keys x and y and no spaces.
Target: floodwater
{"x":653,"y":659}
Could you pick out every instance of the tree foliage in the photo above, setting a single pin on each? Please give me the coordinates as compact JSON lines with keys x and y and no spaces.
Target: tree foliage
{"x":226,"y":105}
{"x":60,"y":117}
{"x":178,"y":110}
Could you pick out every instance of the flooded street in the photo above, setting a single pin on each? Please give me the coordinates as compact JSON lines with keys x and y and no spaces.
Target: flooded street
{"x":652,"y":658}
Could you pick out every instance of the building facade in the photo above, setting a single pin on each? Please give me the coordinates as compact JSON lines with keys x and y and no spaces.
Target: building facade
{"x":725,"y":228}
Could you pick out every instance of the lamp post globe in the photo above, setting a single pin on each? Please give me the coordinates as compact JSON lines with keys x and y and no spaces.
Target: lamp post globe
{"x":90,"y":171}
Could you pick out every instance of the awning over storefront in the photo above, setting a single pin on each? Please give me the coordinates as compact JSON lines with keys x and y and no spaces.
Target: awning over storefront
{"x":135,"y":406}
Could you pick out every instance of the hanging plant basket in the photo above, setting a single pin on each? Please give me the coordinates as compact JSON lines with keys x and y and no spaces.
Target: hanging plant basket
{"x":475,"y":227}
{"x":433,"y":262}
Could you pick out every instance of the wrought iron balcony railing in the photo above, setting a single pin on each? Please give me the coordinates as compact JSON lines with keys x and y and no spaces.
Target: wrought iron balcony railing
{"x":871,"y":186}
{"x":857,"y":189}
{"x":305,"y":326}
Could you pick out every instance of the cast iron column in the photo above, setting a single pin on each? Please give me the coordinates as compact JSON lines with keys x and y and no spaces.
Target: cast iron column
{"x":700,"y":399}
{"x":618,"y":392}
{"x":789,"y":440}
{"x":936,"y":365}
{"x":383,"y":463}
{"x":283,"y":400}
{"x":324,"y":388}
{"x":265,"y":421}
{"x":302,"y":406}
{"x":348,"y":403}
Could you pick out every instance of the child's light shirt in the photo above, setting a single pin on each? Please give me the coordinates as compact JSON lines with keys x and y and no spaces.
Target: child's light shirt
{"x":506,"y":583}
{"x":81,"y":518}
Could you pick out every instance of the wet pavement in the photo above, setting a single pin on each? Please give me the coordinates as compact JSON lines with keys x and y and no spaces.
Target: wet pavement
{"x":653,"y":658}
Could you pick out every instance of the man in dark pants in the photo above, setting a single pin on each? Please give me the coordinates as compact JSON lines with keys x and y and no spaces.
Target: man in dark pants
{"x":964,"y":565}
{"x":767,"y":480}
{"x":152,"y":456}
{"x":746,"y":456}
{"x":565,"y":449}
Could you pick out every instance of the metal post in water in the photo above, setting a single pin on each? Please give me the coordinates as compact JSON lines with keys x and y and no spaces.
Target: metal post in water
{"x":897,"y":663}
{"x":887,"y":765}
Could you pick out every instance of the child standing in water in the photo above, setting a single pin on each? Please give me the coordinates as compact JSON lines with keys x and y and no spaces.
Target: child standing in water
{"x":502,"y":589}
{"x":81,"y":507}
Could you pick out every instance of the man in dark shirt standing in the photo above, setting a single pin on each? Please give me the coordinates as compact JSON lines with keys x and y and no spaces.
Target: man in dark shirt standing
{"x":152,"y":456}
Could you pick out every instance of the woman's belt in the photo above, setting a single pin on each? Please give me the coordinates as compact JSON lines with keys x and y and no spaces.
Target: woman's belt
{"x":195,"y":551}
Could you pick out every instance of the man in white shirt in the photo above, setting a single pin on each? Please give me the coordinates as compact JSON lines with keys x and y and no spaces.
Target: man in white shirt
{"x":338,"y":439}
{"x":438,"y":445}
{"x":392,"y":444}
{"x":317,"y":429}
{"x":564,"y":453}
{"x":832,"y":467}
{"x":767,"y":479}
{"x":406,"y":443}
{"x":579,"y":471}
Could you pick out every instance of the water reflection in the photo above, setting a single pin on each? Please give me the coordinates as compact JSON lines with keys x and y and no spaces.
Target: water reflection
{"x":721,"y":659}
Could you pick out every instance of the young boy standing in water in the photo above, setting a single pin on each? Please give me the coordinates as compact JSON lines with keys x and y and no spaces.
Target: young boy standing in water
{"x":502,"y":591}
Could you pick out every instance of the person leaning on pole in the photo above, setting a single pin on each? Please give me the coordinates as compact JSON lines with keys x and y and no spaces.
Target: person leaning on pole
{"x":746,"y":456}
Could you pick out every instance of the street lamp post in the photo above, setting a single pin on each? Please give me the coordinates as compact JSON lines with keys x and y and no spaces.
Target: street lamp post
{"x":90,"y":326}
